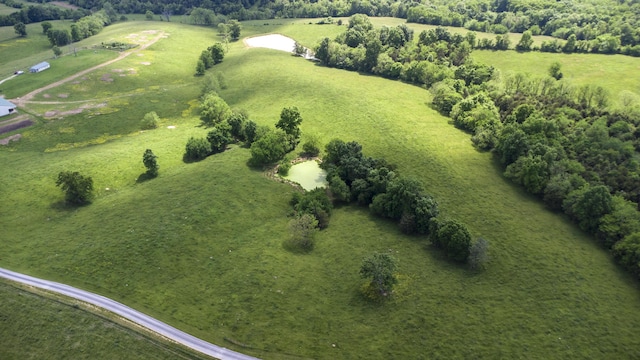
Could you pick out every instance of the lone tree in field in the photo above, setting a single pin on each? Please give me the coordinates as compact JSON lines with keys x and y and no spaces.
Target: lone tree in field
{"x":303,"y":231}
{"x":21,"y":29}
{"x":555,"y":70}
{"x":380,"y":269}
{"x":149,"y":121}
{"x":290,"y":120}
{"x":77,"y":188}
{"x":150,"y":162}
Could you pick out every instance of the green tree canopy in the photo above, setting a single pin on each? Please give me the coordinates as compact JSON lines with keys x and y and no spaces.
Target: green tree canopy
{"x":380,"y":268}
{"x":77,"y":188}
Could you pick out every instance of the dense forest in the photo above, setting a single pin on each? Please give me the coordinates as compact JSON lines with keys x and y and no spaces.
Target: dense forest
{"x":601,"y":26}
{"x":560,"y":142}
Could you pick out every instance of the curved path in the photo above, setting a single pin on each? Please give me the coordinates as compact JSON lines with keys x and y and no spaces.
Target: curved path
{"x":25,"y":99}
{"x":128,"y":313}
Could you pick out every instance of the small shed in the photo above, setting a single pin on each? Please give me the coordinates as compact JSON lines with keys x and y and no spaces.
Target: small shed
{"x":6,"y":107}
{"x":39,"y":67}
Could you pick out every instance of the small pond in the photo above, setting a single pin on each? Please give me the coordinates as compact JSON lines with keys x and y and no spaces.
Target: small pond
{"x":308,"y":174}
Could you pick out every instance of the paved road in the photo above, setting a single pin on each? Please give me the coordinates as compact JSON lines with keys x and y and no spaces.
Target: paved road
{"x":130,"y":314}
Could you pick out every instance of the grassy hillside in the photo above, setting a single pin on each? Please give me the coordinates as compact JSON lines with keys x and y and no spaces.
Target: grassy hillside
{"x":34,"y":327}
{"x":616,"y":73}
{"x":201,"y":246}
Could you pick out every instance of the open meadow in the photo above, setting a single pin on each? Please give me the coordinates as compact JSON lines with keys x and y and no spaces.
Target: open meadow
{"x":201,"y":246}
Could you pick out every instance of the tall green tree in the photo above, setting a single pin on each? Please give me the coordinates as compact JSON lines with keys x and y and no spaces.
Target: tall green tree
{"x":290,"y":120}
{"x":214,"y":110}
{"x":380,"y":269}
{"x":217,"y":52}
{"x":234,"y":29}
{"x":20,"y":29}
{"x":525,"y":41}
{"x":149,"y":159}
{"x":77,"y":188}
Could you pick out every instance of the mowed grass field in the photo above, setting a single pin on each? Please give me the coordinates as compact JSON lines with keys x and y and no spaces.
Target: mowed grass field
{"x":201,"y":246}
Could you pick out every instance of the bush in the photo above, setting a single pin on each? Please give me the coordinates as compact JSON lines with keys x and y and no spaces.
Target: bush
{"x":303,"y":232}
{"x":197,"y":149}
{"x":78,"y":189}
{"x":283,"y":168}
{"x":270,"y":148}
{"x":311,"y":147}
{"x":453,"y":237}
{"x":380,"y":269}
{"x":627,"y":252}
{"x":219,"y":137}
{"x":149,"y":121}
{"x":149,"y":161}
{"x":478,"y":254}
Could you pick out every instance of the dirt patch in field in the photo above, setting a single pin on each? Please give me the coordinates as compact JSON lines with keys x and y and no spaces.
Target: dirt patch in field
{"x":145,"y":63}
{"x":61,"y":114}
{"x":9,"y":139}
{"x":63,"y":96}
{"x":106,"y":78}
{"x":46,"y":96}
{"x":15,"y":126}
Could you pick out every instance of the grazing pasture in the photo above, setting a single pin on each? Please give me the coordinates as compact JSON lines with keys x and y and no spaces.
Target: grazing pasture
{"x":201,"y":245}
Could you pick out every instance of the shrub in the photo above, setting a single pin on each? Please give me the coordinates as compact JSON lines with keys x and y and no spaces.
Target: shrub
{"x":149,"y":121}
{"x":283,"y":168}
{"x":77,"y":188}
{"x":218,"y":137}
{"x":149,"y":161}
{"x":478,"y":254}
{"x":627,"y":252}
{"x":453,"y":237}
{"x":270,"y":148}
{"x":311,"y":146}
{"x":303,"y":231}
{"x":197,"y":149}
{"x":380,"y":269}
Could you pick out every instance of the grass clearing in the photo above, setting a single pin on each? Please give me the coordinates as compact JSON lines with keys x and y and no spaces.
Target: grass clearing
{"x":200,"y":247}
{"x":616,"y":73}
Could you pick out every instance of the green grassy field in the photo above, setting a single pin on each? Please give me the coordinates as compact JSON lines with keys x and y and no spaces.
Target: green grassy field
{"x":201,"y":246}
{"x":616,"y":73}
{"x":35,"y":327}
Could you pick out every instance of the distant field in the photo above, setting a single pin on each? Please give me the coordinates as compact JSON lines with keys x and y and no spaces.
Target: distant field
{"x":200,"y":247}
{"x":616,"y":73}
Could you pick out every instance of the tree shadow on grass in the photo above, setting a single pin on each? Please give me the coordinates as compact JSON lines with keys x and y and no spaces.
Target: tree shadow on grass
{"x":145,"y":177}
{"x":62,"y":205}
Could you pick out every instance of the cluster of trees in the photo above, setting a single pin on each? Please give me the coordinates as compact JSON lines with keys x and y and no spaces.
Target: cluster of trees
{"x":603,"y":22}
{"x":561,"y":143}
{"x":211,"y":56}
{"x":268,"y":145}
{"x":37,"y":13}
{"x":392,"y":52}
{"x":311,"y":212}
{"x":558,"y":141}
{"x":81,"y":29}
{"x":354,"y":177}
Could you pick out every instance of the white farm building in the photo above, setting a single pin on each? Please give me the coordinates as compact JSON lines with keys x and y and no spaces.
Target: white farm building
{"x":39,"y":67}
{"x":6,"y":107}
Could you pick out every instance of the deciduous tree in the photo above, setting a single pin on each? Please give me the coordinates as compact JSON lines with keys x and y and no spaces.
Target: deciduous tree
{"x":77,"y":188}
{"x":380,"y":269}
{"x":150,"y":162}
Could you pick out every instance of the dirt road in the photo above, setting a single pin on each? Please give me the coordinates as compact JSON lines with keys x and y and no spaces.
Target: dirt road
{"x":21,"y":101}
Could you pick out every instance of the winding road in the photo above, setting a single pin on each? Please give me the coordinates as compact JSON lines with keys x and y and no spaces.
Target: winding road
{"x":126,"y":312}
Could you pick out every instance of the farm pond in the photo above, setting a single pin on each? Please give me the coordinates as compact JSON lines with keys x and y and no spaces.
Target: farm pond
{"x":308,"y":174}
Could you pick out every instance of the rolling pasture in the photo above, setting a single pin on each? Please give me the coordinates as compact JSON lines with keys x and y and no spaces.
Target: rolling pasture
{"x":201,"y":246}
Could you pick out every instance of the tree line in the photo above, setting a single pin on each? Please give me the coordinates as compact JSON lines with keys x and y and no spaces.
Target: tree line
{"x":600,"y":26}
{"x":562,"y":143}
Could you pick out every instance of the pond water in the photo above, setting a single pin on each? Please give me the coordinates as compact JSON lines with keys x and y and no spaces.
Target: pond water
{"x":308,"y":174}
